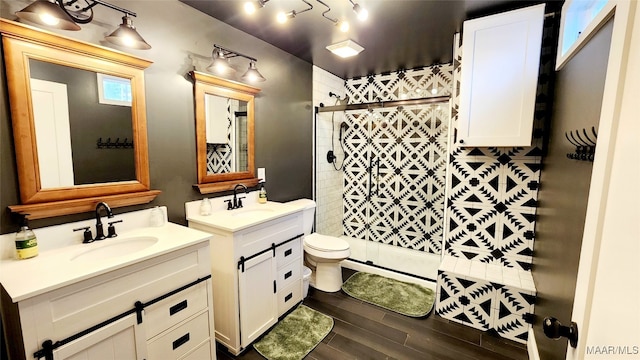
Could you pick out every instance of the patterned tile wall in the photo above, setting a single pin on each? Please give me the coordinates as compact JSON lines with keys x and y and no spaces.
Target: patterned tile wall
{"x":493,"y":191}
{"x":397,"y":157}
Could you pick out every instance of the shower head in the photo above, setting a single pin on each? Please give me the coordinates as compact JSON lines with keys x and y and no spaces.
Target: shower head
{"x":340,"y":101}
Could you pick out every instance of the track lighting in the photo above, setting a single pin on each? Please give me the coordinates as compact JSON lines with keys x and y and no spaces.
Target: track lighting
{"x":283,"y":17}
{"x":66,"y":15}
{"x":362,"y":13}
{"x":251,"y":6}
{"x":221,"y":66}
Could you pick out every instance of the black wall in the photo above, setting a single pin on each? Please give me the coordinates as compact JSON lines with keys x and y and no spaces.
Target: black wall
{"x":565,"y":188}
{"x":182,"y":38}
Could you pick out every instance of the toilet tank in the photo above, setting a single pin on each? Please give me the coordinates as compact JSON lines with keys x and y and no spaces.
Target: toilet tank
{"x":309,"y":208}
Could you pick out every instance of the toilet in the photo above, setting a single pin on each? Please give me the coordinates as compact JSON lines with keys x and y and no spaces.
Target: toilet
{"x":322,"y":253}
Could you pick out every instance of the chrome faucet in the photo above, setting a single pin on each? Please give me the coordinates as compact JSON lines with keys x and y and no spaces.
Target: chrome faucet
{"x":99,"y":228}
{"x":237,"y":201}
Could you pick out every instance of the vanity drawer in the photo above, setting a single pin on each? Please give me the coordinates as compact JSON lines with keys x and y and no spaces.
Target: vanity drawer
{"x":289,"y":274}
{"x":200,"y":353}
{"x":177,"y":342}
{"x":288,"y":252}
{"x":289,"y":296}
{"x":174,"y":309}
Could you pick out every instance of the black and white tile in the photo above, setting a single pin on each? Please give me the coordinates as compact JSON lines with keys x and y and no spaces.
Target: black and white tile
{"x":394,"y":174}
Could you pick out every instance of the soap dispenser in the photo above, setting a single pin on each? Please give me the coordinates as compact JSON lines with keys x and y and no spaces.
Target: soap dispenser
{"x":26,"y":242}
{"x":205,"y":207}
{"x":262,"y":195}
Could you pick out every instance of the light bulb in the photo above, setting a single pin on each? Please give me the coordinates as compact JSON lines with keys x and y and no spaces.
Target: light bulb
{"x":249,"y":7}
{"x":344,"y":26}
{"x":49,"y":19}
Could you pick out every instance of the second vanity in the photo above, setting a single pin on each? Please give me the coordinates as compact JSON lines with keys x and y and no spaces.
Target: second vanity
{"x":145,"y":294}
{"x":256,"y":267}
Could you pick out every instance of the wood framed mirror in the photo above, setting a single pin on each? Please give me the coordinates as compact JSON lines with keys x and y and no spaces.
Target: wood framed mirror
{"x":79,"y":123}
{"x":225,"y":116}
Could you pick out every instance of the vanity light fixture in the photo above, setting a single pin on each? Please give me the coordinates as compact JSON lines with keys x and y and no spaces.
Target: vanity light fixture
{"x":345,"y":49}
{"x":66,"y":15}
{"x":48,"y":13}
{"x":220,"y":64}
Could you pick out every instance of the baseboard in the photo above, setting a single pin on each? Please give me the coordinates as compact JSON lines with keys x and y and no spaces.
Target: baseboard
{"x":532,"y":346}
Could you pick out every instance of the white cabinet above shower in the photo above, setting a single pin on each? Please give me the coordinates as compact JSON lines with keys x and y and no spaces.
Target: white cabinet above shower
{"x":500,"y":64}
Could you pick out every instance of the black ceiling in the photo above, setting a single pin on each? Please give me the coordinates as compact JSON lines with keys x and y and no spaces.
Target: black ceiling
{"x":399,"y":34}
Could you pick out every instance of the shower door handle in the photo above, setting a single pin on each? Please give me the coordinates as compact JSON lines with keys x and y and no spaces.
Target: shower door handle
{"x":377,"y":178}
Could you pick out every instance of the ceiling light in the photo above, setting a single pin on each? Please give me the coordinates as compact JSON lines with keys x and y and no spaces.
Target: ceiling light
{"x":57,"y":14}
{"x":251,"y":6}
{"x":345,"y":49}
{"x":48,"y":13}
{"x":344,"y":26}
{"x":126,"y":35}
{"x":283,"y":17}
{"x":220,"y":64}
{"x":362,"y":13}
{"x":253,"y":75}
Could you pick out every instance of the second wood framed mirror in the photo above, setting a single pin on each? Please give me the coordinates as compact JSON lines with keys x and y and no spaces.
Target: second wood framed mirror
{"x":225,"y":116}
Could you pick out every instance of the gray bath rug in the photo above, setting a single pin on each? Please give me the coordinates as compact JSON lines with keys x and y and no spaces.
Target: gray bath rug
{"x":398,"y":296}
{"x":295,"y":335}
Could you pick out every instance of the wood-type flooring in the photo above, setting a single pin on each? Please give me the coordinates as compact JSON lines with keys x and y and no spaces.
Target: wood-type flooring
{"x":365,"y":331}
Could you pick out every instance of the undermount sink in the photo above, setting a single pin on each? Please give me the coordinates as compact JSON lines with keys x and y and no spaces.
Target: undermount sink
{"x":117,"y":247}
{"x":253,"y":212}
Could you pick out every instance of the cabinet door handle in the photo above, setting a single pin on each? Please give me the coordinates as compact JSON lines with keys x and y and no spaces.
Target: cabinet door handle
{"x":288,"y":252}
{"x":177,"y":307}
{"x":288,"y":297}
{"x":274,"y":286}
{"x":288,"y":274}
{"x":181,"y":341}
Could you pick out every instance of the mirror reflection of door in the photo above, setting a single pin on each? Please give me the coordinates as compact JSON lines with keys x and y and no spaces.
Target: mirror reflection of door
{"x":71,"y":127}
{"x":226,"y":133}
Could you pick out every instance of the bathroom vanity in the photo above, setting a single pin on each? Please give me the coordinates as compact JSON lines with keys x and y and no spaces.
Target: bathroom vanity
{"x":256,"y":267}
{"x":145,"y":294}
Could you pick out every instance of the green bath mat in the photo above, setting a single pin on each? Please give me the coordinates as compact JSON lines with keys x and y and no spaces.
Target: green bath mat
{"x":295,"y":335}
{"x":398,"y":296}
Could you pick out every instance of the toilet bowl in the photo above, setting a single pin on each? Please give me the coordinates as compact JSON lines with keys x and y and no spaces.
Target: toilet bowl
{"x":322,"y":254}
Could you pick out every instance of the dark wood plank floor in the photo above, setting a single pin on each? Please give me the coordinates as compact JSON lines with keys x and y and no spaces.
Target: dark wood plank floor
{"x":364,"y":331}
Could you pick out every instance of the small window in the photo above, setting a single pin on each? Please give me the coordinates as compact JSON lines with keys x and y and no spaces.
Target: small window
{"x":114,"y":90}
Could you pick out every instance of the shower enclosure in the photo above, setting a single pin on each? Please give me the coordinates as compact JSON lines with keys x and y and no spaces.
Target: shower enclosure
{"x":393,"y":182}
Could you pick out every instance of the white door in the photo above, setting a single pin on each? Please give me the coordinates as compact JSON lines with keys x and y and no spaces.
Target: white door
{"x":608,"y":287}
{"x":258,"y":301}
{"x":51,"y":121}
{"x":123,"y":339}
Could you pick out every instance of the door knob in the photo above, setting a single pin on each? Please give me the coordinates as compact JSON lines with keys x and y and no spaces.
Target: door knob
{"x":555,"y":330}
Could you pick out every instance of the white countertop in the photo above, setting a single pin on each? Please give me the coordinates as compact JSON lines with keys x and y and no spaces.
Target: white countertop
{"x":240,"y":219}
{"x":55,"y":268}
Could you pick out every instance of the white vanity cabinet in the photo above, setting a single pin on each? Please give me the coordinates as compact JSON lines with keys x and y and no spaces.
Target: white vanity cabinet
{"x":256,"y":274}
{"x":157,"y":308}
{"x":500,"y":65}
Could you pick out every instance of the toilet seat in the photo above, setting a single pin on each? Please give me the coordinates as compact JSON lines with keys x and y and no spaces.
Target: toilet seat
{"x":325,"y":243}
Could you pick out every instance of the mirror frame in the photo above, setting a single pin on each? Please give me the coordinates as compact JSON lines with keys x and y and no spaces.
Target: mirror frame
{"x":209,"y":84}
{"x":23,"y":42}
